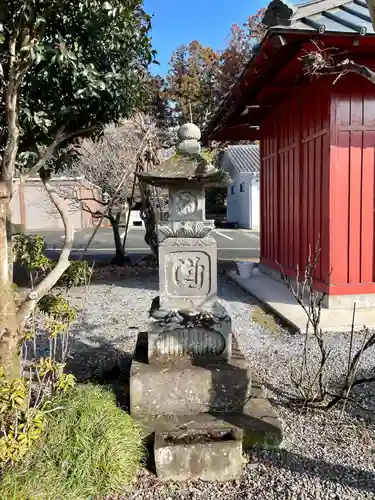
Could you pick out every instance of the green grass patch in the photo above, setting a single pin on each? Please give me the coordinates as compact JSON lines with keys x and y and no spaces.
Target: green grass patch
{"x":91,"y":449}
{"x":265,"y":320}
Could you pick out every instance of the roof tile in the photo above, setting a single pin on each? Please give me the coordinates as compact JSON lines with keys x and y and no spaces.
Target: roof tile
{"x":330,"y":16}
{"x":244,"y":158}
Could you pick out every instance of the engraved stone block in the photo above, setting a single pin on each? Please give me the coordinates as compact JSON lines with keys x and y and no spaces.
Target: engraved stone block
{"x":186,"y":334}
{"x":187,"y":204}
{"x":190,"y":342}
{"x":184,"y":229}
{"x":187,"y":272}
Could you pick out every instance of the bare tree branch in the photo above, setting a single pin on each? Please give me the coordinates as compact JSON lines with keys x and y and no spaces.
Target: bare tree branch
{"x":101,"y":202}
{"x":96,"y":214}
{"x":46,"y":156}
{"x":135,"y":142}
{"x":318,"y":63}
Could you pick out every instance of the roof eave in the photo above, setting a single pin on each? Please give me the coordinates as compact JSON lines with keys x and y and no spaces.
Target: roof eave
{"x":209,"y":131}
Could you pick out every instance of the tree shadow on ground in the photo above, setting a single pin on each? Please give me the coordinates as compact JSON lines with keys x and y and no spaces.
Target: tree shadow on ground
{"x":360,"y":405}
{"x":96,"y":360}
{"x":147,"y":281}
{"x":345,"y":475}
{"x":91,"y":358}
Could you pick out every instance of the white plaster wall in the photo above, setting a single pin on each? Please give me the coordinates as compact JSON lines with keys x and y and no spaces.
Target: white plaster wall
{"x":232,"y":200}
{"x":135,"y":219}
{"x":15,"y":204}
{"x":255,"y":202}
{"x":244,"y":198}
{"x":239,"y":204}
{"x":244,"y":207}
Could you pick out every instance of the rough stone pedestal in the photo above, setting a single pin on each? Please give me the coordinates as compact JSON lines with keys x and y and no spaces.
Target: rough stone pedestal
{"x":189,"y":386}
{"x":160,"y":402}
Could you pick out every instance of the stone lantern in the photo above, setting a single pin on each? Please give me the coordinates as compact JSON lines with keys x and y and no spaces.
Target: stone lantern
{"x":187,"y":256}
{"x":189,"y":385}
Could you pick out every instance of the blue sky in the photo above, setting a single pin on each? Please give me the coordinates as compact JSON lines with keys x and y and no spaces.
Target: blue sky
{"x":208,"y":21}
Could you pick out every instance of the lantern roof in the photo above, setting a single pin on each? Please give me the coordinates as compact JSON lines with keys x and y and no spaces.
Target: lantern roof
{"x":187,"y":166}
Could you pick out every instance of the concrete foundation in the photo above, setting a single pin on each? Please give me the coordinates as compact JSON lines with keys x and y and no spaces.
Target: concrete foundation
{"x":276,"y":296}
{"x":334,"y":302}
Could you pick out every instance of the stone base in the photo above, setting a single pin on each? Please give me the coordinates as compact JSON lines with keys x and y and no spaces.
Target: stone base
{"x":209,"y":454}
{"x":257,"y":422}
{"x":189,"y":386}
{"x":334,"y":302}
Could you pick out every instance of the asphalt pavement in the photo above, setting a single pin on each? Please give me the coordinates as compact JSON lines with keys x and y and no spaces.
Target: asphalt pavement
{"x":233,"y":244}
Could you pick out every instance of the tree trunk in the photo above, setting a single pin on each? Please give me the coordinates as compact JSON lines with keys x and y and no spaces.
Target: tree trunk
{"x":9,"y":357}
{"x":120,"y":259}
{"x":49,"y":281}
{"x":148,"y":216}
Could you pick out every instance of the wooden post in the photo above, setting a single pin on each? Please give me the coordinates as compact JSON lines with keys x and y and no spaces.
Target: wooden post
{"x":371,"y":8}
{"x":21,"y":200}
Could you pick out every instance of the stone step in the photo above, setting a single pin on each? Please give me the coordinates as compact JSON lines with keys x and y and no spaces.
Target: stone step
{"x":257,"y":423}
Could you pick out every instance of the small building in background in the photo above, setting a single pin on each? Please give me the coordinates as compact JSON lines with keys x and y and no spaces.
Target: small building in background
{"x":243,"y":165}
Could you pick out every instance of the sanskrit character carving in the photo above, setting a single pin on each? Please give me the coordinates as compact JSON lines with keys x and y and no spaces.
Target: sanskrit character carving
{"x":189,"y":273}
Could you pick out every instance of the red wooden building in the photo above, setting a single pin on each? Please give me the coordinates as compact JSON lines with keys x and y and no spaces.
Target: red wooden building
{"x":317,"y":141}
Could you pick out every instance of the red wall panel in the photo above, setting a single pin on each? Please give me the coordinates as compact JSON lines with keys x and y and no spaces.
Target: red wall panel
{"x":295,"y":160}
{"x":352,"y":186}
{"x":318,"y":181}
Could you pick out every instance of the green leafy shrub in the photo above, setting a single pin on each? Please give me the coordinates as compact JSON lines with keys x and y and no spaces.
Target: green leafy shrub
{"x":78,"y":274}
{"x":20,"y":424}
{"x":91,"y":449}
{"x":29,"y":251}
{"x":23,"y":408}
{"x":57,"y":307}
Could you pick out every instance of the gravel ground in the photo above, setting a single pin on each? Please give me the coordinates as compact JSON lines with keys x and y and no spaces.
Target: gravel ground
{"x":323,"y":456}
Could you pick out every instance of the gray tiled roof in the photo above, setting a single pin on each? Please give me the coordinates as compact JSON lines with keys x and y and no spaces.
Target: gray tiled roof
{"x":242,"y":158}
{"x":332,"y":16}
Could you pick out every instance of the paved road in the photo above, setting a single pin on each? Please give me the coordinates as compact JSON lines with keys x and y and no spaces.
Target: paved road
{"x":232,"y":243}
